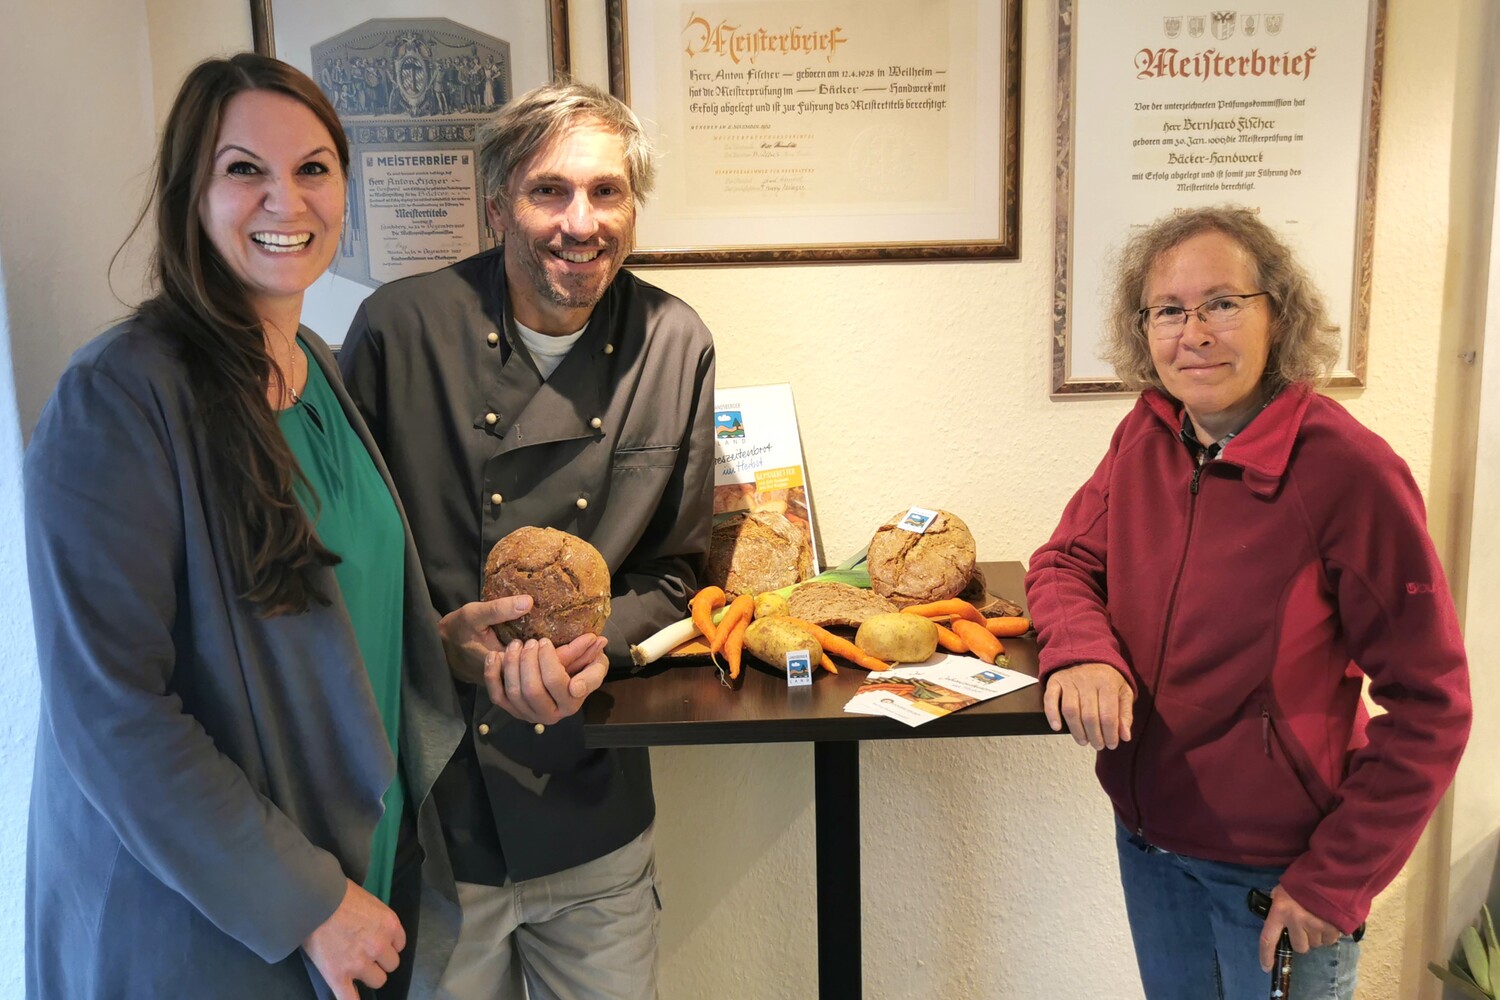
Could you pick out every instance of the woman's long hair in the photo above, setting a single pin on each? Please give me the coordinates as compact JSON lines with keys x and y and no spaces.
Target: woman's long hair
{"x":205,"y":310}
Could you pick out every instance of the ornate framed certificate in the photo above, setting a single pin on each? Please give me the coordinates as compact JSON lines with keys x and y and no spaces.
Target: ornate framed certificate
{"x":1162,"y":107}
{"x":411,"y":84}
{"x":827,"y":130}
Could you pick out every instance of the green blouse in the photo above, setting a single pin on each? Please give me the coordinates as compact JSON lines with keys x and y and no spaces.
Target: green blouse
{"x":355,"y":517}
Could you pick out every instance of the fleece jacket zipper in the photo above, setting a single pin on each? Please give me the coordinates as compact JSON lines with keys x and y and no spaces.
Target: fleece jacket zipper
{"x":1161,"y":654}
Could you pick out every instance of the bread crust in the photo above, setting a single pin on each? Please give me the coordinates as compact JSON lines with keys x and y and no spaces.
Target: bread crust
{"x":907,"y":568}
{"x":754,"y":552}
{"x":567,"y":578}
{"x":830,"y":604}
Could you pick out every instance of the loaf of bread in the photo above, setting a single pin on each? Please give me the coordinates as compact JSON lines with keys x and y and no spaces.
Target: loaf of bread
{"x":827,"y":604}
{"x":566,"y":577}
{"x":977,"y":590}
{"x":751,"y":553}
{"x":908,"y":568}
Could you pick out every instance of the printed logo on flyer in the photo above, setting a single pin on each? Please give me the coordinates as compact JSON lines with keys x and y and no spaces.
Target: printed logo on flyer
{"x":728,"y":424}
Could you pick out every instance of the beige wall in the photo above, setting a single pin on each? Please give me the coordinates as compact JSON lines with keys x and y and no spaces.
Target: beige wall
{"x":77,"y":127}
{"x":988,"y":863}
{"x":1471,"y":307}
{"x":73,"y":169}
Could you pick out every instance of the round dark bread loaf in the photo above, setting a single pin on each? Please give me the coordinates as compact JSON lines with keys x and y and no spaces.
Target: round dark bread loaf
{"x":752,"y":553}
{"x":907,"y":568}
{"x":566,"y":577}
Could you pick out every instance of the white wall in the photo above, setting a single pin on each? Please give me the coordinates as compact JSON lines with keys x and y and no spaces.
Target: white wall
{"x":77,"y":118}
{"x":73,"y":188}
{"x":988,"y":864}
{"x":1473,"y":876}
{"x":18,"y":687}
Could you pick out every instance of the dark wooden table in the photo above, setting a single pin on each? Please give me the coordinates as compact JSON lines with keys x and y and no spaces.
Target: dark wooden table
{"x":678,"y":705}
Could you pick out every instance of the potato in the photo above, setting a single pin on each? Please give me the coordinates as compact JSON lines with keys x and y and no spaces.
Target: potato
{"x":770,"y":639}
{"x":770,"y":604}
{"x":898,"y":638}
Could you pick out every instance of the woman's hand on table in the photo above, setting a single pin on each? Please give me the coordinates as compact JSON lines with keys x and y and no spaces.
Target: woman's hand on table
{"x":1095,"y":701}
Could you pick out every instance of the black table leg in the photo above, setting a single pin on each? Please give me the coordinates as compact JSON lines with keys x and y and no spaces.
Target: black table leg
{"x":836,"y":811}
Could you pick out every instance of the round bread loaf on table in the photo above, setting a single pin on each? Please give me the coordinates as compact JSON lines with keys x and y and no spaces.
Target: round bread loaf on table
{"x":907,"y":568}
{"x":977,"y":590}
{"x":751,"y":553}
{"x":567,"y":578}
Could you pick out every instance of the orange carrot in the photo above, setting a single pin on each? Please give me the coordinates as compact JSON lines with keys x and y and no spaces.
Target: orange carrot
{"x":702,"y":607}
{"x":949,"y":641}
{"x":840,"y":646}
{"x":984,"y":645}
{"x":952,"y":606}
{"x":827,"y":664}
{"x":1005,"y":628}
{"x":734,"y":645}
{"x":741,"y":608}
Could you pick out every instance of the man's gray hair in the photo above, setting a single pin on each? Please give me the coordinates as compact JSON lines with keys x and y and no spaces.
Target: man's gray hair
{"x":536,"y":117}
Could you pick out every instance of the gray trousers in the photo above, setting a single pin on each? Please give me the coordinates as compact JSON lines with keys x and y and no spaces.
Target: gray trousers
{"x":586,"y":933}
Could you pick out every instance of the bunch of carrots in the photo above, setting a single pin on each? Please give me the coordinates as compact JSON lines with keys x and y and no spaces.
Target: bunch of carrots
{"x":728,"y":634}
{"x":961,"y":629}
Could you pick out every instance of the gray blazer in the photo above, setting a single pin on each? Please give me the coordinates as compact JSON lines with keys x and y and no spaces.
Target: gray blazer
{"x":205,"y":778}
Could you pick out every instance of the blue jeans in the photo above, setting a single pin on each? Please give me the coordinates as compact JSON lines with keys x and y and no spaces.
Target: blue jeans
{"x":1196,"y":939}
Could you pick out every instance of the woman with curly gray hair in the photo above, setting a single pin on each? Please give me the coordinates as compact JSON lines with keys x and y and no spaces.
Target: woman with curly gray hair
{"x":1243,"y":559}
{"x":1306,"y":346}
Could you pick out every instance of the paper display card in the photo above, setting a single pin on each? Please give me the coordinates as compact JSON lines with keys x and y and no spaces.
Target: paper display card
{"x":799,"y":669}
{"x":758,"y":456}
{"x":919,"y":693}
{"x":917,"y":520}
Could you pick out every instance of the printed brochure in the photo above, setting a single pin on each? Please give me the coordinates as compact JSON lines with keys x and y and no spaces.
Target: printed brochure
{"x":918,"y":693}
{"x":758,"y":457}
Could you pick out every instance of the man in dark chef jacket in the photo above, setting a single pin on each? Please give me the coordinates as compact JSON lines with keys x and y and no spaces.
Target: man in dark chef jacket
{"x":539,"y":384}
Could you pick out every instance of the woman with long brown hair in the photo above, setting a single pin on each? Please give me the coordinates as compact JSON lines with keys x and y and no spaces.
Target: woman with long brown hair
{"x":245,"y":698}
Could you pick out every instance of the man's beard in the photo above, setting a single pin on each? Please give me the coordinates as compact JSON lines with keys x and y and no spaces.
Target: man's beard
{"x":572,"y":292}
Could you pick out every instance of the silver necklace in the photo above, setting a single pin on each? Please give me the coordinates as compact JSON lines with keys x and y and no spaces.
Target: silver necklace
{"x":289,"y":381}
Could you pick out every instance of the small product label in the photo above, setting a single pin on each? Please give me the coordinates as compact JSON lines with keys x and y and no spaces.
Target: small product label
{"x":917,"y":520}
{"x":798,"y":668}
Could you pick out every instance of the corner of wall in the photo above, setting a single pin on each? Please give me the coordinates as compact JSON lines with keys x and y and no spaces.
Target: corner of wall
{"x":18,"y":682}
{"x":1465,"y":490}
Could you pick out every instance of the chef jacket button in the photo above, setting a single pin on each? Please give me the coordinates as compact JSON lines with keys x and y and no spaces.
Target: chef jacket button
{"x":493,"y":338}
{"x":596,"y":423}
{"x":581,"y":503}
{"x":539,"y":729}
{"x":609,"y":348}
{"x":496,"y":499}
{"x":492,"y":418}
{"x":484,"y":729}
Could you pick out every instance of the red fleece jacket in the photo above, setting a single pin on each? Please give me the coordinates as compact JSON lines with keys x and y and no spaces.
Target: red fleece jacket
{"x":1244,"y":600}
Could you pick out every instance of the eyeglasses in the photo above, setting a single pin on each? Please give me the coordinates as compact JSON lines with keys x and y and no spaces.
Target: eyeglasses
{"x":1217,"y":314}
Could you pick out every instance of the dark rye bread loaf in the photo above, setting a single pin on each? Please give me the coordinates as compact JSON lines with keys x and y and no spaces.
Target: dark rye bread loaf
{"x":826,"y":603}
{"x":908,"y":568}
{"x":753,"y":553}
{"x":566,"y":577}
